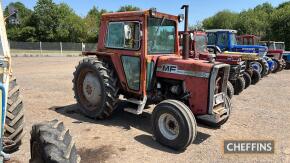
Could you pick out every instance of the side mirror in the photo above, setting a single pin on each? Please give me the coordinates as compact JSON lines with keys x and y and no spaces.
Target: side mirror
{"x":192,"y":36}
{"x":180,"y":18}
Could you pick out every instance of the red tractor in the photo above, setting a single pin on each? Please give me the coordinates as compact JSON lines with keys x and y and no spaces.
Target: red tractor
{"x":138,"y":56}
{"x":276,"y":54}
{"x":239,"y":79}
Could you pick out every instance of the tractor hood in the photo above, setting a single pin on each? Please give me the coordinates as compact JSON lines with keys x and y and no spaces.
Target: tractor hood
{"x":187,"y":67}
{"x":261,"y":50}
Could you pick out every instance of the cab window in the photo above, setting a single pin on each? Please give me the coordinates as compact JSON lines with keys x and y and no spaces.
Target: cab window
{"x":123,"y":35}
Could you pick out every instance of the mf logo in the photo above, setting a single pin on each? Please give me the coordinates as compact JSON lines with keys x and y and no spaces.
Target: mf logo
{"x":169,"y":68}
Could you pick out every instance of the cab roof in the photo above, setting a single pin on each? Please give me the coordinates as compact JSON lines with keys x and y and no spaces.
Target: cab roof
{"x":137,"y":13}
{"x":222,"y":30}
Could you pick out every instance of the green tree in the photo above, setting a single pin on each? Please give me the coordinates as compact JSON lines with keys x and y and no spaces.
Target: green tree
{"x":45,"y":19}
{"x":224,"y":19}
{"x":280,"y":25}
{"x":70,"y":27}
{"x":92,"y":24}
{"x":21,"y":31}
{"x":128,"y":8}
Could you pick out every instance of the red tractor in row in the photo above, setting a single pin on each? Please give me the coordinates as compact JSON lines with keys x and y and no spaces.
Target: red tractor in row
{"x":239,"y":78}
{"x":139,"y":57}
{"x":274,"y":52}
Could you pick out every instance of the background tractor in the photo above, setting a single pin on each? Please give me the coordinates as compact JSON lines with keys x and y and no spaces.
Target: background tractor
{"x":275,"y":50}
{"x":138,"y":57}
{"x":238,"y":78}
{"x":225,"y":39}
{"x":50,"y":142}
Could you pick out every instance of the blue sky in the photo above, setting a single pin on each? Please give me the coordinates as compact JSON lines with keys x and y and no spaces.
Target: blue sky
{"x":198,"y":9}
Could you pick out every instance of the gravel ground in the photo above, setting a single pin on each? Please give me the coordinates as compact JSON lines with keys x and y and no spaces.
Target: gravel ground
{"x":259,"y":113}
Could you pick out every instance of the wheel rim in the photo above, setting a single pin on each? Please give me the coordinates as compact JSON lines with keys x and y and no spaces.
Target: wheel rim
{"x":257,"y":66}
{"x":92,"y":89}
{"x":168,"y":126}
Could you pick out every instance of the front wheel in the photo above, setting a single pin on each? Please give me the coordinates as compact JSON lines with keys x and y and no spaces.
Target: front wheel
{"x":173,"y":124}
{"x":247,"y":78}
{"x":230,"y":90}
{"x":256,"y":77}
{"x":239,"y":85}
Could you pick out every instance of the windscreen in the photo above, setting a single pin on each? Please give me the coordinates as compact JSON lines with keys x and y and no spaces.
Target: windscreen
{"x":161,"y":36}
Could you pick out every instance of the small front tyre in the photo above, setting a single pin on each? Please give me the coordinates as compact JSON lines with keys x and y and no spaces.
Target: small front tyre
{"x":173,"y":124}
{"x":230,"y":90}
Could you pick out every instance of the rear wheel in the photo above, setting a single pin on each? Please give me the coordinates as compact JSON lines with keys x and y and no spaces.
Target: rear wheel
{"x":51,"y":143}
{"x":95,"y":88}
{"x":239,"y":85}
{"x":230,"y":90}
{"x":247,"y":79}
{"x":256,"y":77}
{"x":14,"y":122}
{"x":173,"y":124}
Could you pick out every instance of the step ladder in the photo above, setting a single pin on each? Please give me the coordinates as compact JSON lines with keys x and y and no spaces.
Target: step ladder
{"x":140,"y":103}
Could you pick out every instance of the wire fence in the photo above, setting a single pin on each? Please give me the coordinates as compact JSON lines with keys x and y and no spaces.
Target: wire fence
{"x":50,"y":48}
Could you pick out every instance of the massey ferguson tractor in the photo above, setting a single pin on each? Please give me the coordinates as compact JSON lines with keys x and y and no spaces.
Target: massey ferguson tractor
{"x":50,"y":142}
{"x":225,"y":39}
{"x":138,"y":56}
{"x":275,"y":50}
{"x":239,"y":79}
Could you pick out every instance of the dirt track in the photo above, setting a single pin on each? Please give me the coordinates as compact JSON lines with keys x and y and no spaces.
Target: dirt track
{"x":260,"y":112}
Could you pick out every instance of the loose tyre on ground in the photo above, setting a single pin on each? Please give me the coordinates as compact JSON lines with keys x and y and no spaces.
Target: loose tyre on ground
{"x":239,"y":85}
{"x":14,"y":122}
{"x":230,"y":90}
{"x":173,"y":124}
{"x":256,"y":77}
{"x":95,"y":88}
{"x":247,"y":78}
{"x":51,"y":143}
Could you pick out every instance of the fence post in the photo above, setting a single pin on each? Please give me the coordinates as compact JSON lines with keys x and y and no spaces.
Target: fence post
{"x":40,"y":46}
{"x":60,"y":48}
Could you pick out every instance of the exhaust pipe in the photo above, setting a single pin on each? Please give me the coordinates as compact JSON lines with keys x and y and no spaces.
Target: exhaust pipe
{"x":185,"y":49}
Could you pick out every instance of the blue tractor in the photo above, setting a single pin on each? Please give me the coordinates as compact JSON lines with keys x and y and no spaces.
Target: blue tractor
{"x":225,"y":39}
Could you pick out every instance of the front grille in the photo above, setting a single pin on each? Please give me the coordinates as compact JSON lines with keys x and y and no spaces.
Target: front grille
{"x":218,"y":83}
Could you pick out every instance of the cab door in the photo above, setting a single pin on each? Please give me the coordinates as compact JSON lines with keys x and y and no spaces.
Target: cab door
{"x":124,"y":39}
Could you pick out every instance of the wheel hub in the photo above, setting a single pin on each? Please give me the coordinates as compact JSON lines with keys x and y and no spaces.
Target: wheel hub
{"x":168,"y":126}
{"x":257,"y":66}
{"x":92,"y":89}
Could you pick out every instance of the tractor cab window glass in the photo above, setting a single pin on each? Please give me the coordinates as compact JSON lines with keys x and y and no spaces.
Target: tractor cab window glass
{"x":123,"y":35}
{"x":222,"y":40}
{"x":161,"y":36}
{"x":200,"y":43}
{"x":211,"y":38}
{"x":233,"y":39}
{"x":280,"y":46}
{"x":271,"y":47}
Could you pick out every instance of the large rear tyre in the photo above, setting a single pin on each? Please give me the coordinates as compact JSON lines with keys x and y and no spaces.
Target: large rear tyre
{"x":14,"y":122}
{"x":95,"y":88}
{"x":247,"y":79}
{"x":239,"y":85}
{"x":230,"y":90}
{"x":51,"y":143}
{"x":256,"y":77}
{"x":173,"y":124}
